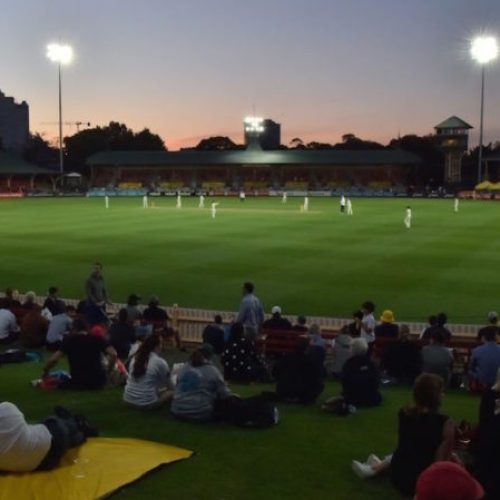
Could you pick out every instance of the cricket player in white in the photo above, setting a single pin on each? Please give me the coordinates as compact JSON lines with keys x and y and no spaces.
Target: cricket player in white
{"x":342,"y":203}
{"x":242,"y":196}
{"x":179,"y":201}
{"x":455,"y":205}
{"x":106,"y":201}
{"x":145,"y":201}
{"x":349,"y":206}
{"x":408,"y":218}
{"x":214,"y":209}
{"x":202,"y":202}
{"x":283,"y":200}
{"x":306,"y":203}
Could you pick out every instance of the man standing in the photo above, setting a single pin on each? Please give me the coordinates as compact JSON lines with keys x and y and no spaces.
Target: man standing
{"x":97,"y":296}
{"x":214,"y":210}
{"x":349,"y":206}
{"x":284,"y":199}
{"x":306,"y":203}
{"x":145,"y":201}
{"x":179,"y":201}
{"x":202,"y":202}
{"x":342,"y":204}
{"x":407,"y":220}
{"x":242,"y":195}
{"x":251,"y":313}
{"x":455,"y":204}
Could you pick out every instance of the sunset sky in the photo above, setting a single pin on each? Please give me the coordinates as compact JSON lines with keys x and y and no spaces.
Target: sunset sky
{"x":189,"y":69}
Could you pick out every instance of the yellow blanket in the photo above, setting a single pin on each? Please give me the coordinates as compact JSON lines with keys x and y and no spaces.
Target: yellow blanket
{"x":93,"y":470}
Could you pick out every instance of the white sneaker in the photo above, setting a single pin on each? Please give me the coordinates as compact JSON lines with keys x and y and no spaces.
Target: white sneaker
{"x":363,"y":471}
{"x":373,"y":460}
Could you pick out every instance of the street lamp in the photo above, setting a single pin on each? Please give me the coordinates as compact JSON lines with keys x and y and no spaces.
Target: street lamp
{"x":62,"y":55}
{"x":483,"y":50}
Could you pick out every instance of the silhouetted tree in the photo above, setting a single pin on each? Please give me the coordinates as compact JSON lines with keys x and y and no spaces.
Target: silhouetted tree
{"x":297,"y":143}
{"x":217,"y":143}
{"x":40,"y":152}
{"x":318,"y":145}
{"x":350,"y":141}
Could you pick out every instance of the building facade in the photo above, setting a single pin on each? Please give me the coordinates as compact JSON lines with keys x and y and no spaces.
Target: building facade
{"x":14,"y":124}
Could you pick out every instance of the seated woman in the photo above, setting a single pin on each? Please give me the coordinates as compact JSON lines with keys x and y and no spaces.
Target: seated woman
{"x":25,"y":447}
{"x":401,"y":359}
{"x":299,"y":379}
{"x":240,"y":360}
{"x":425,"y":436}
{"x":148,"y":383}
{"x":199,"y":388}
{"x":360,"y":378}
{"x":33,"y":328}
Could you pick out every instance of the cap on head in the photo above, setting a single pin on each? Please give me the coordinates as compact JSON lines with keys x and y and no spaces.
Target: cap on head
{"x":492,"y":316}
{"x":276,"y":310}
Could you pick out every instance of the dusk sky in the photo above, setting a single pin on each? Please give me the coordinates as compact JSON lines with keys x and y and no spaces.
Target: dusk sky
{"x":189,"y":69}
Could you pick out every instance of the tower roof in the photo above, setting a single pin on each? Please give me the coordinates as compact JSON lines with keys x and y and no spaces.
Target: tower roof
{"x":453,"y":122}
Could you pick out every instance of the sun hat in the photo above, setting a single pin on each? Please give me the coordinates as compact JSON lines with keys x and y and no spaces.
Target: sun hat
{"x":492,"y":316}
{"x":387,"y":316}
{"x":447,"y":481}
{"x":276,"y":310}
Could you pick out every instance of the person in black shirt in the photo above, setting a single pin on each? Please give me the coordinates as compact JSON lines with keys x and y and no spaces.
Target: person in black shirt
{"x":85,"y":358}
{"x":492,"y":325}
{"x":53,"y":303}
{"x":154,"y":313}
{"x":387,"y":328}
{"x":276,"y":322}
{"x":437,"y":324}
{"x":213,"y":334}
{"x":122,"y":334}
{"x":401,"y":359}
{"x":355,"y":326}
{"x":300,"y":326}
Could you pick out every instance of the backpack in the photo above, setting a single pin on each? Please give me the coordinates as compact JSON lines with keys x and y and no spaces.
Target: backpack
{"x":13,"y":356}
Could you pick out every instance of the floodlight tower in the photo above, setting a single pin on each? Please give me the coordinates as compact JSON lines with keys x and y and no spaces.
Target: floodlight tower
{"x":254,"y":127}
{"x":483,"y":49}
{"x":62,"y":55}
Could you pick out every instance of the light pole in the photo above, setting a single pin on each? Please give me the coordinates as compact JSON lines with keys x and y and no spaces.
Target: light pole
{"x":483,"y":49}
{"x":62,"y":55}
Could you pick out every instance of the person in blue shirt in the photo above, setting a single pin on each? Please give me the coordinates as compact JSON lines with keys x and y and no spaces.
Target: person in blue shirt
{"x":484,"y":363}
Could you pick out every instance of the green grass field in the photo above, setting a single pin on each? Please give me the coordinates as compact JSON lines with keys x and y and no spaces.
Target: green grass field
{"x":315,"y":263}
{"x":306,"y":456}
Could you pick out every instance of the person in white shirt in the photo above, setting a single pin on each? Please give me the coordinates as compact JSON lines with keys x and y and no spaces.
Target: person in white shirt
{"x":368,"y":322}
{"x":214,"y":209}
{"x":179,"y":201}
{"x":407,"y":219}
{"x":9,"y":329}
{"x":349,"y":206}
{"x":145,"y":201}
{"x":59,"y":326}
{"x":202,"y":202}
{"x":306,"y":204}
{"x":342,"y":204}
{"x":284,"y":199}
{"x":106,"y":201}
{"x":148,"y":382}
{"x":455,"y":204}
{"x":242,"y":196}
{"x":25,"y":447}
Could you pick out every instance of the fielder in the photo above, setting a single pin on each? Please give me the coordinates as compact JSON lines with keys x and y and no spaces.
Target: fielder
{"x":179,"y":201}
{"x":284,"y":199}
{"x":214,"y":209}
{"x":145,"y":201}
{"x":306,"y":204}
{"x":407,"y":220}
{"x":106,"y":201}
{"x":349,"y":206}
{"x":202,"y":202}
{"x":342,"y":204}
{"x":455,"y":205}
{"x":242,"y":196}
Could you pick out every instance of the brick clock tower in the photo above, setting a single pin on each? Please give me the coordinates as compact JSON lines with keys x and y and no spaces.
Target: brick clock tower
{"x":452,"y":137}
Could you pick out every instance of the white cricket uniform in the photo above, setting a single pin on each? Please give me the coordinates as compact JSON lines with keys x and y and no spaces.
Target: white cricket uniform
{"x":214,"y":210}
{"x":145,"y":202}
{"x":179,"y":201}
{"x":242,"y":196}
{"x":349,"y":207}
{"x":342,"y":203}
{"x":106,"y":201}
{"x":455,"y":205}
{"x":283,"y":200}
{"x":306,"y":204}
{"x":407,"y":220}
{"x":202,"y":202}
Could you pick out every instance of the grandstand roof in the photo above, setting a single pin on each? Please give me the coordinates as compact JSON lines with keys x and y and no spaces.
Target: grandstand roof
{"x":453,"y":122}
{"x":14,"y":164}
{"x":252,"y":157}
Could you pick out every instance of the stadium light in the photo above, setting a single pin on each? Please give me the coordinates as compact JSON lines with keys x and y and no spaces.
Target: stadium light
{"x":62,"y":55}
{"x":483,"y":49}
{"x":254,"y":124}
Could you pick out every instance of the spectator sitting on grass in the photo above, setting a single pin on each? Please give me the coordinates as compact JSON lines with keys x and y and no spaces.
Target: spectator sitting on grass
{"x":122,"y":334}
{"x":10,"y":301}
{"x":133,"y":312}
{"x":9,"y":330}
{"x":154,"y":313}
{"x":276,"y":322}
{"x":33,"y":328}
{"x":53,"y":303}
{"x":492,"y":325}
{"x":387,"y":328}
{"x":60,"y":325}
{"x":317,"y":344}
{"x":484,"y":363}
{"x":299,"y":379}
{"x":401,"y":359}
{"x":84,"y":358}
{"x":213,"y":334}
{"x":148,"y":382}
{"x":341,"y":350}
{"x":426,"y":332}
{"x":441,"y":320}
{"x":251,"y":313}
{"x":240,"y":360}
{"x":199,"y":386}
{"x":425,"y":436}
{"x":300,"y":326}
{"x":29,"y":301}
{"x":25,"y":447}
{"x":436,"y":358}
{"x":360,"y":378}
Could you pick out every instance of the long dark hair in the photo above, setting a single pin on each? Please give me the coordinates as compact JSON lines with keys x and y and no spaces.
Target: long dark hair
{"x":141,"y":359}
{"x":427,"y":392}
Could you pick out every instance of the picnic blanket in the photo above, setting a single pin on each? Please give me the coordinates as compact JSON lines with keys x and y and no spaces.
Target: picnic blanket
{"x":95,"y":469}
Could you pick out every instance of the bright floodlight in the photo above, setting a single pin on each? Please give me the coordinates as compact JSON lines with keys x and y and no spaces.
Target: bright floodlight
{"x":62,"y":54}
{"x":254,"y":124}
{"x":484,"y":49}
